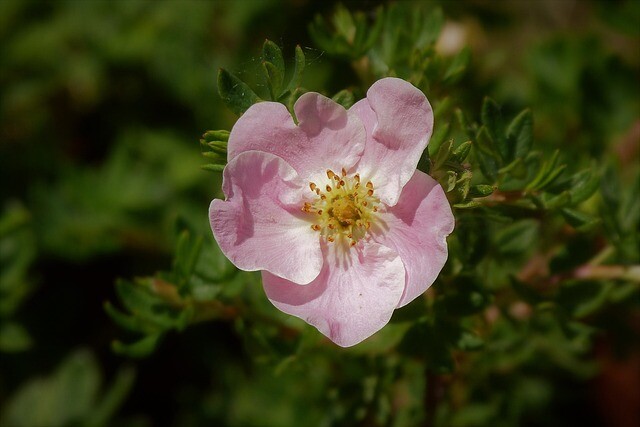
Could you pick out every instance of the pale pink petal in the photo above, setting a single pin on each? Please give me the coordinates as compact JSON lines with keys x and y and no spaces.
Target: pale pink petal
{"x":327,"y":136}
{"x":257,"y":227}
{"x":352,"y":298}
{"x":399,"y":121}
{"x":417,"y":228}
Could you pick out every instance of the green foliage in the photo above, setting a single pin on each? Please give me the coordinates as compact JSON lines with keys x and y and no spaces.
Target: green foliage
{"x":531,"y":315}
{"x":72,"y":395}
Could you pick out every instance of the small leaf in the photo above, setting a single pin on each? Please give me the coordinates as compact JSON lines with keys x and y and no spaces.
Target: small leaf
{"x":274,"y":79}
{"x":458,"y":66}
{"x":213,"y":168}
{"x":216,"y":135}
{"x":468,"y":341}
{"x":296,"y":78}
{"x":271,"y":53}
{"x":520,"y":135}
{"x":517,"y":237}
{"x":487,"y":159}
{"x":344,"y":98}
{"x":583,"y":185}
{"x":481,"y":190}
{"x":492,"y":120}
{"x":578,"y":220}
{"x":138,"y":349}
{"x":461,"y":152}
{"x":235,"y":93}
{"x":112,"y":399}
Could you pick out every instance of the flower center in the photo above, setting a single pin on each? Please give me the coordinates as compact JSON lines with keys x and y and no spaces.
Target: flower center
{"x":345,"y":210}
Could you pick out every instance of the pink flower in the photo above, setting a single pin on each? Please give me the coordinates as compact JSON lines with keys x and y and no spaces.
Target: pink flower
{"x":332,"y":210}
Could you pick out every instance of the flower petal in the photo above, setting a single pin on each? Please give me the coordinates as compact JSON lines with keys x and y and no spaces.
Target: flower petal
{"x":351,"y":299}
{"x":257,"y":225}
{"x":399,"y":121}
{"x":417,"y":228}
{"x":327,"y":136}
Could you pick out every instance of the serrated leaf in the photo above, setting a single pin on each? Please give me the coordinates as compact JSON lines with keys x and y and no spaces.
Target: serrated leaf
{"x":520,"y":135}
{"x":344,"y":98}
{"x":139,"y":349}
{"x":235,"y":93}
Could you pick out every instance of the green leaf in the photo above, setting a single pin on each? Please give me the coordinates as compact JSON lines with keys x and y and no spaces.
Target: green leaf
{"x":582,"y":298}
{"x":235,"y":93}
{"x":213,"y":168}
{"x":216,"y":135}
{"x":140,"y":301}
{"x":492,"y":120}
{"x":520,"y":135}
{"x":583,"y":185}
{"x":344,"y":98}
{"x":64,"y":398}
{"x":138,"y":349}
{"x":274,"y":79}
{"x":461,"y":152}
{"x":14,"y":338}
{"x":486,"y":156}
{"x":481,"y":190}
{"x":271,"y":53}
{"x":296,"y":78}
{"x":469,"y":341}
{"x":113,"y":398}
{"x":579,"y":220}
{"x":130,"y":323}
{"x":458,"y":66}
{"x":517,"y":238}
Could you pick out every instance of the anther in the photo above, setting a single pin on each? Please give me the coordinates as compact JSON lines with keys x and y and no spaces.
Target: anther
{"x":369,"y":184}
{"x":341,"y":183}
{"x":330,"y":174}
{"x":331,"y":239}
{"x":375,"y":209}
{"x":318,"y":191}
{"x":368,"y":225}
{"x":353,"y":243}
{"x":315,"y":227}
{"x":370,"y":192}
{"x":319,"y":211}
{"x":357,"y":177}
{"x":364,"y":203}
{"x":344,"y":172}
{"x":328,"y":187}
{"x":323,"y":197}
{"x":312,"y":186}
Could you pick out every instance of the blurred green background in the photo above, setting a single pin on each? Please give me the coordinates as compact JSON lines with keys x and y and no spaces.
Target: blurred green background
{"x":102,"y":104}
